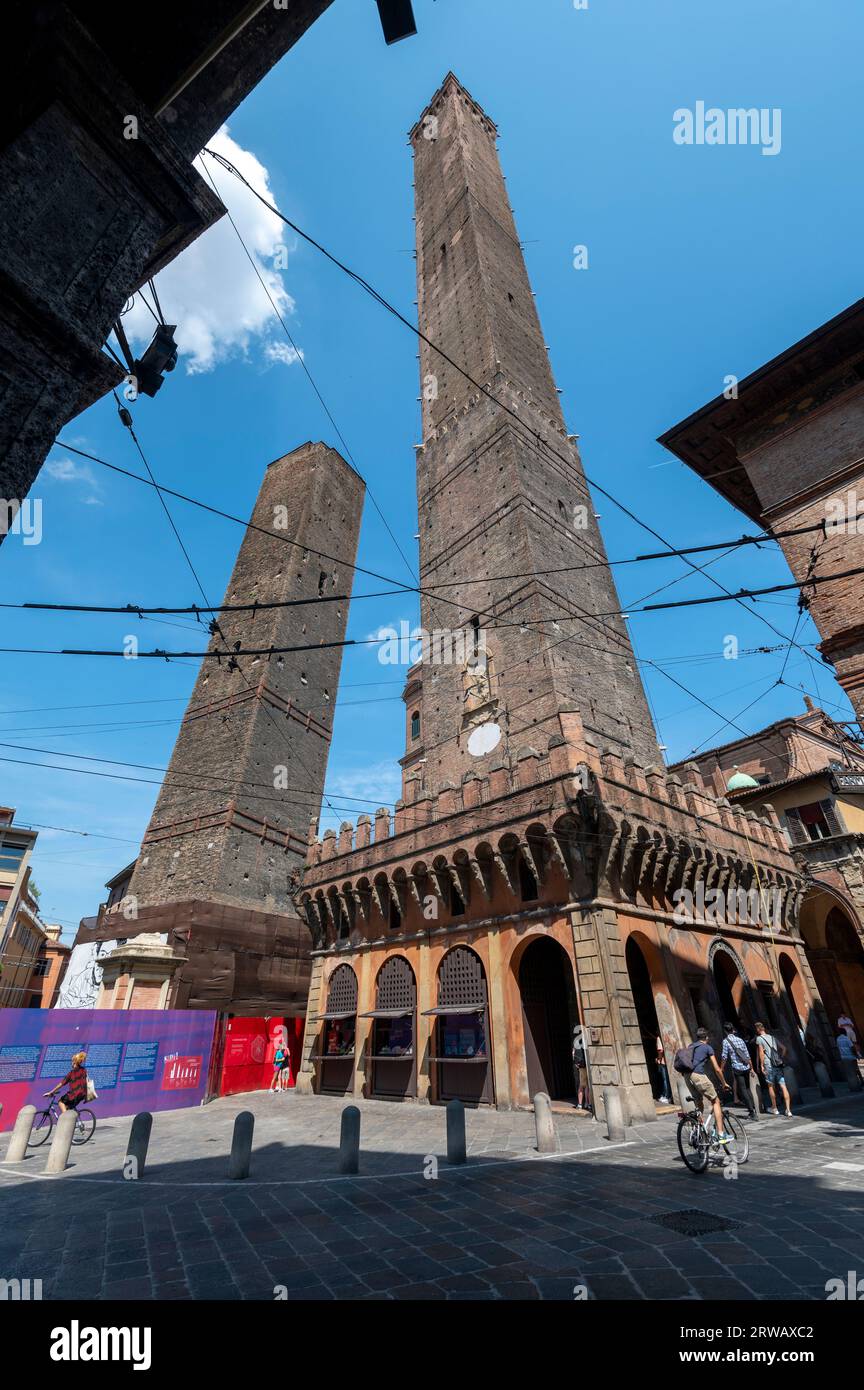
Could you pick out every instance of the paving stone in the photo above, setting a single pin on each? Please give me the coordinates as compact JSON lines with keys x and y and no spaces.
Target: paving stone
{"x":514,"y":1230}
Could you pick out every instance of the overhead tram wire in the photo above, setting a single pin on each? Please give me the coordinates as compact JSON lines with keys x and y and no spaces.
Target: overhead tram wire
{"x":728,"y":547}
{"x":479,"y":386}
{"x":360,"y":569}
{"x":192,"y":776}
{"x":524,"y":623}
{"x":302,"y":360}
{"x":158,"y":782}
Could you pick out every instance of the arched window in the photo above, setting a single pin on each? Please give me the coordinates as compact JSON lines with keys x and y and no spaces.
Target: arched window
{"x":415,"y":725}
{"x":339,"y":1023}
{"x":392,"y":1044}
{"x":461,"y":1043}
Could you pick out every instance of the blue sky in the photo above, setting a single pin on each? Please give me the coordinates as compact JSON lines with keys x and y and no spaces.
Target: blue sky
{"x":703,"y":261}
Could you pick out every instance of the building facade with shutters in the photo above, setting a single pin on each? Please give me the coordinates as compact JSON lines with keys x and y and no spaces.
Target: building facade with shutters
{"x":527,"y":891}
{"x":811,"y":772}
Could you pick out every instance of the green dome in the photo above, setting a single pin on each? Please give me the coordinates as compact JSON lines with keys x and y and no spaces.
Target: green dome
{"x":739,"y":780}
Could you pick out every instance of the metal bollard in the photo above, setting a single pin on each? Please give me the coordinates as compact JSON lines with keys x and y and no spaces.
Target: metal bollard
{"x":547,"y":1140}
{"x":755,"y":1096}
{"x":241,"y":1145}
{"x":349,"y":1140}
{"x":61,"y":1142}
{"x":457,"y":1150}
{"x":825,"y":1087}
{"x":613,"y":1106}
{"x":20,"y":1135}
{"x":136,"y":1150}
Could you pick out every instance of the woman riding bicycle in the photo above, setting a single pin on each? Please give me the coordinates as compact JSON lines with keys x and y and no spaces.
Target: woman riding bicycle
{"x":76,"y":1080}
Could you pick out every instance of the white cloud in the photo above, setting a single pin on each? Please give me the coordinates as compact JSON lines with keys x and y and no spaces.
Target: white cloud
{"x":282,"y":352}
{"x":211,"y":291}
{"x":68,"y":471}
{"x":379,"y":782}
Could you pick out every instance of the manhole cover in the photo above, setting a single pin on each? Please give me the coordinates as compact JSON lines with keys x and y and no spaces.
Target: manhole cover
{"x":693,"y":1222}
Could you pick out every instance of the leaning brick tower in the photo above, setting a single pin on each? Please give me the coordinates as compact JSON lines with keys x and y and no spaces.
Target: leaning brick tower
{"x":247,"y":772}
{"x":227,"y":839}
{"x":508,"y":532}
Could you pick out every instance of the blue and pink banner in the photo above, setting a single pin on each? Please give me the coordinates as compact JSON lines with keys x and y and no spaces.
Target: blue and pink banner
{"x":138,"y":1059}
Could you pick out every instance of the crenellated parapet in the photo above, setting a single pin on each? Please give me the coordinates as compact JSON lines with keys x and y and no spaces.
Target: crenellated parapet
{"x":564,"y":823}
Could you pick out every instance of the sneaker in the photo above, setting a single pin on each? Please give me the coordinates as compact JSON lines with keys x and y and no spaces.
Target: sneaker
{"x":724,"y":1138}
{"x":774,"y":1112}
{"x":788,"y":1115}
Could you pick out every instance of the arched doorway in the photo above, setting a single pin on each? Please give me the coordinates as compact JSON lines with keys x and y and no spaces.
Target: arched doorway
{"x":394,"y":1063}
{"x":844,"y":945}
{"x":836,"y":957}
{"x":461,"y":1043}
{"x":339,"y":1027}
{"x":549,"y":1015}
{"x":726,"y":977}
{"x":646,"y":1010}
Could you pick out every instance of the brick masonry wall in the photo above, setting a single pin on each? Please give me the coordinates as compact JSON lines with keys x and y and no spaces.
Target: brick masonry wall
{"x":221,"y":829}
{"x":499,"y":496}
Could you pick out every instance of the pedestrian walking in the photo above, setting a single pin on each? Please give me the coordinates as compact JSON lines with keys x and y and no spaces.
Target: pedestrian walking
{"x":845,"y":1024}
{"x":844,"y":1047}
{"x":580,"y":1070}
{"x":278,"y":1062}
{"x":737,"y":1054}
{"x":665,"y":1097}
{"x":771,"y":1054}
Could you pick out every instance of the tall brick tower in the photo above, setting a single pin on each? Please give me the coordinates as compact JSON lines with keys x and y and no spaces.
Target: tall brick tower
{"x":520,"y":906}
{"x":502,"y":499}
{"x":229,"y":830}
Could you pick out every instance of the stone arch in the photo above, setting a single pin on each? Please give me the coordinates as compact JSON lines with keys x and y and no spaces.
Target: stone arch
{"x":462,"y":1044}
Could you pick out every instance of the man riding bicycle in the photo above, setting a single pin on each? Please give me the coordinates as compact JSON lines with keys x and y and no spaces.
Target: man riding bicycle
{"x":701,"y":1085}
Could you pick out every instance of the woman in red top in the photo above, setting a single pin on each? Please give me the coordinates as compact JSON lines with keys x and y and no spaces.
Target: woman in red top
{"x":76,"y":1080}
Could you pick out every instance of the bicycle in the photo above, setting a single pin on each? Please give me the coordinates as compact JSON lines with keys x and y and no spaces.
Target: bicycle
{"x":43,"y":1123}
{"x":698,"y":1140}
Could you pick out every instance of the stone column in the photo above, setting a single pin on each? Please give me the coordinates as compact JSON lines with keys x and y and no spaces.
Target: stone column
{"x":365,"y":1002}
{"x":618,"y":1059}
{"x":425,"y":1026}
{"x":306,"y":1075}
{"x":498,"y":1017}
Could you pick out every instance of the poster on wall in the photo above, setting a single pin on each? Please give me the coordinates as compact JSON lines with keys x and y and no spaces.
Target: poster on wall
{"x":140,"y":1059}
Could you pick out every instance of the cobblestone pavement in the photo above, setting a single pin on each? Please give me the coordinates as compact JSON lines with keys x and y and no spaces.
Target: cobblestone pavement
{"x":508,"y":1225}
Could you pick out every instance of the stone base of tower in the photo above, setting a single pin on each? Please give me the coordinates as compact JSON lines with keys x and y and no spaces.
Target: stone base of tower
{"x":233,"y":959}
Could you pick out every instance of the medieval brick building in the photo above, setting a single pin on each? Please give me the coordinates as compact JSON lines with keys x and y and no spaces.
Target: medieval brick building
{"x":227,"y":839}
{"x":788,"y":450}
{"x":812,"y":773}
{"x":527,"y":884}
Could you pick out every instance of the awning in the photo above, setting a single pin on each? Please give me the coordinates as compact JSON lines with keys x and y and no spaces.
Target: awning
{"x":388,"y":1013}
{"x":331,"y":1017}
{"x":444,"y":1009}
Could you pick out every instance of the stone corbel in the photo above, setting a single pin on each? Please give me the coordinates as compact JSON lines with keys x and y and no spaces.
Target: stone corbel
{"x":505,"y":871}
{"x":376,"y":893}
{"x":532,"y":861}
{"x":556,"y":852}
{"x":477,"y":870}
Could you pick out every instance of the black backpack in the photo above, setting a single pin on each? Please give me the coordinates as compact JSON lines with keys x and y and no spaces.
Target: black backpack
{"x":684,"y":1058}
